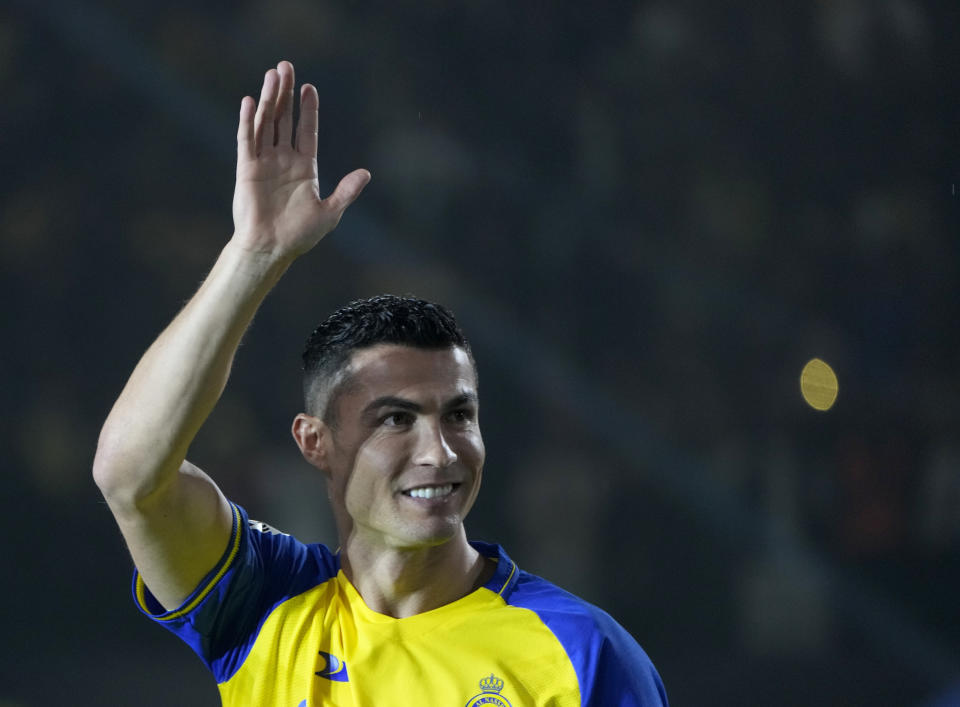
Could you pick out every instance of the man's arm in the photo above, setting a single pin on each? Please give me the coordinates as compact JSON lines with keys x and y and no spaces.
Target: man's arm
{"x":175,"y":520}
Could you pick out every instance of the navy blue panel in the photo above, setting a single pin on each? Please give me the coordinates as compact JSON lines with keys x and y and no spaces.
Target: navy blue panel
{"x":505,"y":576}
{"x":612,"y":668}
{"x":269,"y":568}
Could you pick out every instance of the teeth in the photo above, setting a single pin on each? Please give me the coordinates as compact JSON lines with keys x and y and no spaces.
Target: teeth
{"x":430,"y":491}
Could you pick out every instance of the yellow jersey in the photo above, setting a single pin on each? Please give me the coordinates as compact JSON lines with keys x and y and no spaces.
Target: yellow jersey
{"x":279,"y":625}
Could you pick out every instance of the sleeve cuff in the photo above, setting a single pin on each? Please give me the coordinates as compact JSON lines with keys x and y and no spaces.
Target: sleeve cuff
{"x":146,"y":602}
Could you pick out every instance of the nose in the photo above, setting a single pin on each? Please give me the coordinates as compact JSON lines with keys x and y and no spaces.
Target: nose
{"x":432,"y":446}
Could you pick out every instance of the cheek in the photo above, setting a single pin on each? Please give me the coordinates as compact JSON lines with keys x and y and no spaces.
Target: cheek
{"x":372,"y":470}
{"x":473,"y":450}
{"x":385,"y":453}
{"x":472,"y":456}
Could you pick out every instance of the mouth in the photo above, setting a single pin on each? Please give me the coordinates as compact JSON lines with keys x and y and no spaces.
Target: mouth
{"x":432,"y":491}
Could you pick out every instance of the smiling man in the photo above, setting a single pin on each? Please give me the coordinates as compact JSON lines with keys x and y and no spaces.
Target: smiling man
{"x":408,"y":610}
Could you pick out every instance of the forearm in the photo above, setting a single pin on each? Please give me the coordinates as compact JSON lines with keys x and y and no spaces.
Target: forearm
{"x":178,"y":381}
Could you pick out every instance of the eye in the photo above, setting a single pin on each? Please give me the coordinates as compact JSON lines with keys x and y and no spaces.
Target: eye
{"x":462,"y":415}
{"x":397,"y":419}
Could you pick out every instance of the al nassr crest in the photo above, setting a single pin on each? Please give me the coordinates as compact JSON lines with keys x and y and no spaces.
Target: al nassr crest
{"x":489,"y":693}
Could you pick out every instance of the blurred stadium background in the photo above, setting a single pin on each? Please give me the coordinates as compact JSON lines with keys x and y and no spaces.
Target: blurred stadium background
{"x":648,"y":216}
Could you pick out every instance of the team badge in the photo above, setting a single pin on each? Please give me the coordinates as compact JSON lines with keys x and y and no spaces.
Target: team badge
{"x":490,"y":693}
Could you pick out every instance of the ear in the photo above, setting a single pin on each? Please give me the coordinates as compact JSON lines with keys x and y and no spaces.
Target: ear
{"x":312,"y":437}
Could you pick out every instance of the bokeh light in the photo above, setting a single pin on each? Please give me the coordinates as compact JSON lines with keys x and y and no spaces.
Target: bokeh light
{"x":819,"y":385}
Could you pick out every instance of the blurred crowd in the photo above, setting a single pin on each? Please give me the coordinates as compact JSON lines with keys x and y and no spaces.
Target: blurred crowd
{"x":648,"y":216}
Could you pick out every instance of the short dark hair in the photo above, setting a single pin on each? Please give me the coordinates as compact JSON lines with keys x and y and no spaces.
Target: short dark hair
{"x":384,"y":319}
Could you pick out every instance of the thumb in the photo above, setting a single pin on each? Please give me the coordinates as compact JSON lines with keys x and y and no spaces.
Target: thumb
{"x":348,"y":190}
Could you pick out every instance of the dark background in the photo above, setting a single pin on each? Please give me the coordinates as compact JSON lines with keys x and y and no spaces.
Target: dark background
{"x":648,"y":217}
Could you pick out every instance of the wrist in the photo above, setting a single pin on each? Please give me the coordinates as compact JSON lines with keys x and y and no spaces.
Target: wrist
{"x":257,"y":263}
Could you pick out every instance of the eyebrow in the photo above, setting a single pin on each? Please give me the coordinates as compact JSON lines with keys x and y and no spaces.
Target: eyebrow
{"x":404,"y":404}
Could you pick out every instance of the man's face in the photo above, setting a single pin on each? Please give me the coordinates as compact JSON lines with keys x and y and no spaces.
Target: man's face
{"x":406,"y":456}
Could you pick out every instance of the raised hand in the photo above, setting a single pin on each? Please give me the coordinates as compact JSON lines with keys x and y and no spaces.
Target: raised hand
{"x":277,"y":207}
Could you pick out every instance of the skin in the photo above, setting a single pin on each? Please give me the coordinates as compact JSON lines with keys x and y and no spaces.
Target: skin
{"x":174,"y":518}
{"x":403,"y":556}
{"x":408,"y":418}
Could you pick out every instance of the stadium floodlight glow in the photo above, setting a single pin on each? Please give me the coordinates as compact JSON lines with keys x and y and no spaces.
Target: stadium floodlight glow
{"x":818,"y":385}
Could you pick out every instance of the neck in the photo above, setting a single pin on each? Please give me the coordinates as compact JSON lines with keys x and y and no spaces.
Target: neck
{"x":401,"y":582}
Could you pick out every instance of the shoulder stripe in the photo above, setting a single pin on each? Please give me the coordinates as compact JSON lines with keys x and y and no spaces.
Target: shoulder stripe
{"x":506,"y":583}
{"x":205,"y":589}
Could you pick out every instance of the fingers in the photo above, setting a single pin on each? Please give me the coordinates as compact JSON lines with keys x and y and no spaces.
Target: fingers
{"x":264,"y":129}
{"x":348,"y":190}
{"x":283,"y":118}
{"x":309,"y":121}
{"x":246,"y":149}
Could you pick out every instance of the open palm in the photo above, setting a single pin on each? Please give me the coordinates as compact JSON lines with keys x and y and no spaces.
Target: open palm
{"x":277,"y":207}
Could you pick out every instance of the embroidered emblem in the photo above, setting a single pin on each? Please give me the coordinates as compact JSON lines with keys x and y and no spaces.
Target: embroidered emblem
{"x":490,"y":693}
{"x":335,"y":670}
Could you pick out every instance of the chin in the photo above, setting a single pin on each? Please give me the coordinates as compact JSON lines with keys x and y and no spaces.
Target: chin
{"x":427,"y":537}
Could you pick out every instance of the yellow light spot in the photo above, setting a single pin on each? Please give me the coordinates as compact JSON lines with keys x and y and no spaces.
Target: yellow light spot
{"x":819,"y":386}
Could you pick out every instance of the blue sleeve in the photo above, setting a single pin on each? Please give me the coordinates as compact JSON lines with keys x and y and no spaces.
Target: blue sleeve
{"x":623,"y":676}
{"x":612,"y":669}
{"x":260,"y":568}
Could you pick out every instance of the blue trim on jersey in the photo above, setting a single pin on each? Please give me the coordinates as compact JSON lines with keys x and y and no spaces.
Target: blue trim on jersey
{"x":505,"y":576}
{"x":263,"y":569}
{"x":155,"y":610}
{"x":268,"y":569}
{"x":612,"y":668}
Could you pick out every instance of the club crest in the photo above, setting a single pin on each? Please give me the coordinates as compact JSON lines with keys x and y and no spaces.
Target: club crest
{"x":489,"y":693}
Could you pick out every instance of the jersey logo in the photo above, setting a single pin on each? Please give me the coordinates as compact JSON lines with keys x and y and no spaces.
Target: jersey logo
{"x":489,"y":693}
{"x":264,"y":528}
{"x":335,"y":670}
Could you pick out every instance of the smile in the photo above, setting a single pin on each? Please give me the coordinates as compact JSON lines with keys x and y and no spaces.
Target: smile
{"x":431,"y":491}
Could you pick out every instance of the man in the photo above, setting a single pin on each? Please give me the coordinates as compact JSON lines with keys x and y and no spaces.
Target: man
{"x":408,"y":611}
